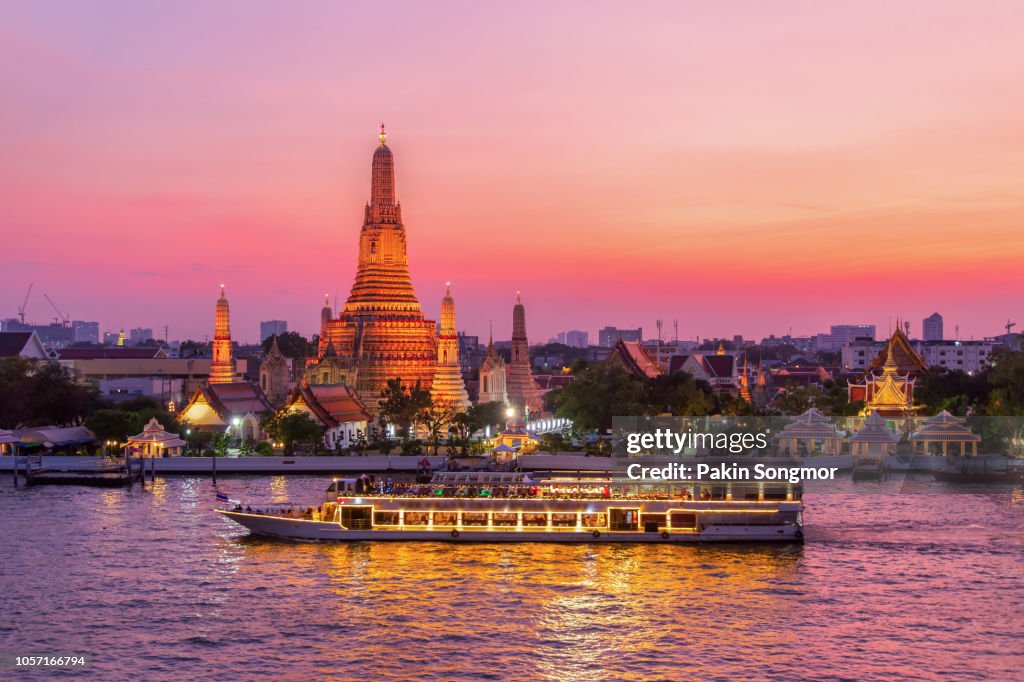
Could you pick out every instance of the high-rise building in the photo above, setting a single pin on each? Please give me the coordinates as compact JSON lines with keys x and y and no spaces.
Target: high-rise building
{"x":448,"y":385}
{"x":931,"y":328}
{"x":609,"y":336}
{"x":85,"y":332}
{"x":381,"y":332}
{"x":841,"y":334}
{"x":574,"y":338}
{"x":222,"y":371}
{"x":523,"y":391}
{"x":139,"y":335}
{"x":272,"y":328}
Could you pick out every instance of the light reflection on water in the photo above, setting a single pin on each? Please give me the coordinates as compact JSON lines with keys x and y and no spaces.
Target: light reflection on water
{"x":156,"y":586}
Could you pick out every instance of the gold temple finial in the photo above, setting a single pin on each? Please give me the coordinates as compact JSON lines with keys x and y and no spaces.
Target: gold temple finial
{"x":383,"y":136}
{"x":447,"y":288}
{"x":518,"y":298}
{"x":222,"y":291}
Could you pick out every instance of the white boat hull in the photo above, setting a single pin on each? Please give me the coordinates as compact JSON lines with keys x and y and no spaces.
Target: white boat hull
{"x":300,"y":529}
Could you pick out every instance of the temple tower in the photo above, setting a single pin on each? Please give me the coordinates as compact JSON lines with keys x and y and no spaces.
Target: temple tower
{"x":381,"y":333}
{"x":523,"y":391}
{"x":492,"y":376}
{"x":222,"y":370}
{"x":448,"y":384}
{"x":274,"y":375}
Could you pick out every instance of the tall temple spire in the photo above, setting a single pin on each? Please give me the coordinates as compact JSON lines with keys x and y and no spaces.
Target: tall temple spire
{"x":522,"y":389}
{"x":448,"y":385}
{"x":380,"y":333}
{"x":222,"y":369}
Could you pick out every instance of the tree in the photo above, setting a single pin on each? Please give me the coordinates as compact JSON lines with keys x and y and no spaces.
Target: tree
{"x":599,"y":393}
{"x":1006,"y":381}
{"x":488,"y":414}
{"x":680,"y":394}
{"x":437,"y":417}
{"x":292,"y":344}
{"x":292,"y":428}
{"x":402,"y":406}
{"x":111,"y":424}
{"x":41,"y":392}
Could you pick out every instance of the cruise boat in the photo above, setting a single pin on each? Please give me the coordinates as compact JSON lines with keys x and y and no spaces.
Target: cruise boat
{"x":513,"y":507}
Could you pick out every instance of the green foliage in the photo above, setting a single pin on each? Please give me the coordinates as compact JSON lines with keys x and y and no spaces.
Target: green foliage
{"x":264,"y":448}
{"x":402,"y":406}
{"x":41,"y":392}
{"x":293,"y":428}
{"x":1006,"y":384}
{"x":292,"y":344}
{"x":599,"y":393}
{"x":112,"y":424}
{"x":679,"y":394}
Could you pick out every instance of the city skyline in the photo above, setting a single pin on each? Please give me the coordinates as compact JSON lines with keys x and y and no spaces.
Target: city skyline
{"x":700,"y":169}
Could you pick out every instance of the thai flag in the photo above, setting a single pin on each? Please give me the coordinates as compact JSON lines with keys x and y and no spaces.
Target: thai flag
{"x":221,"y":497}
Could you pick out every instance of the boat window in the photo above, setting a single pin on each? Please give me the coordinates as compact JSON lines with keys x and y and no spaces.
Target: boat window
{"x":445,"y":518}
{"x":652,"y":523}
{"x":535,"y":519}
{"x":776,"y":492}
{"x":474,"y":518}
{"x":594,"y":521}
{"x":385,"y":518}
{"x":417,"y":518}
{"x":563,"y":520}
{"x":683,"y":520}
{"x":502,"y":519}
{"x":624,"y":519}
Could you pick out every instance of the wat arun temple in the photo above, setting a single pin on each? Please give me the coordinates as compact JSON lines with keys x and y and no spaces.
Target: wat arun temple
{"x":381,"y":333}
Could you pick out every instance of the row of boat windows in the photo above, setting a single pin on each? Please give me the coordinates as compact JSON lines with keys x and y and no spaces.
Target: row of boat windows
{"x":621,"y":519}
{"x":738,"y":491}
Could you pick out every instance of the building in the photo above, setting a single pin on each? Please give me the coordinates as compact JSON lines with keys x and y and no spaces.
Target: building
{"x":889,"y":393}
{"x":574,"y":338}
{"x":139,"y":335}
{"x":841,"y":334}
{"x":154,"y":442}
{"x":492,"y":387}
{"x":719,"y":369}
{"x":381,"y":333}
{"x":274,"y":375}
{"x":966,"y":356}
{"x":222,"y":371}
{"x":522,"y":390}
{"x":22,"y":345}
{"x":931,"y":328}
{"x":631,"y":356}
{"x":337,"y":408}
{"x":609,"y":336}
{"x":85,"y":332}
{"x":272,"y":328}
{"x":939,"y":432}
{"x":874,"y":439}
{"x":447,"y":386}
{"x":219,"y":407}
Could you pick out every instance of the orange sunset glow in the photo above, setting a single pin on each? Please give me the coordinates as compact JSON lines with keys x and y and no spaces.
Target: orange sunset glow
{"x":746,"y":168}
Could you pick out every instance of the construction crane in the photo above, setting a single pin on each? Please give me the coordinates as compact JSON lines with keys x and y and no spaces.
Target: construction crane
{"x":66,"y":319}
{"x":21,"y":308}
{"x":1009,"y":326}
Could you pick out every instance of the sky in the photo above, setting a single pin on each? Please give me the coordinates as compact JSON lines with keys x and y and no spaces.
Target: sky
{"x":742,"y":167}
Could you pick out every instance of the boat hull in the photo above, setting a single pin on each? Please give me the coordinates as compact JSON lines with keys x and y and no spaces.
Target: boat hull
{"x":315,"y":531}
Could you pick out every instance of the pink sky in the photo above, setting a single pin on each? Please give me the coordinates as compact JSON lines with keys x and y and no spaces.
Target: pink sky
{"x":744,"y":168}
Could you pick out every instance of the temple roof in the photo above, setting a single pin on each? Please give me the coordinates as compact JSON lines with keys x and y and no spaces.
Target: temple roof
{"x":945,"y":427}
{"x":810,"y":424}
{"x":875,"y":431}
{"x":904,"y":356}
{"x":333,"y":404}
{"x":632,"y":356}
{"x":234,"y":399}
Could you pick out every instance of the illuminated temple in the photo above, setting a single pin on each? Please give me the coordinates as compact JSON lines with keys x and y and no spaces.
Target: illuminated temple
{"x":380,"y":333}
{"x":520,"y":385}
{"x":222,"y":370}
{"x":448,"y":386}
{"x":887,"y":389}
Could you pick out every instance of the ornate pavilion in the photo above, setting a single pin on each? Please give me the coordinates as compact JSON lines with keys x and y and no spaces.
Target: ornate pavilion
{"x":810,"y":433}
{"x":887,"y":388}
{"x":944,"y":429}
{"x":381,"y":333}
{"x":875,"y":439}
